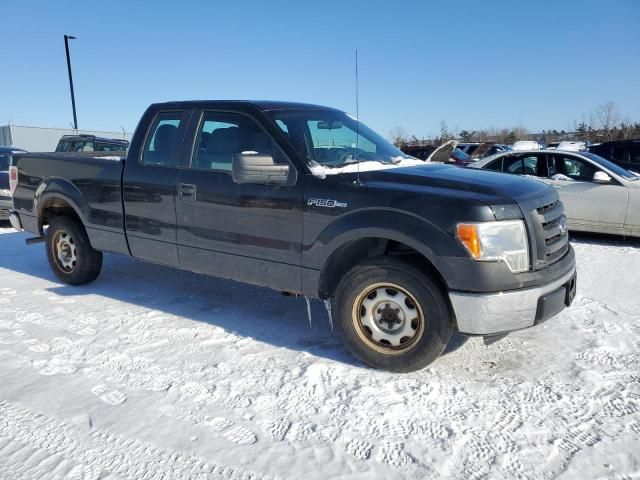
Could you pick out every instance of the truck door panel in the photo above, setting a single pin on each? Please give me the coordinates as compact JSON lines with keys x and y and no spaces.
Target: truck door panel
{"x":150,"y":190}
{"x":250,"y":233}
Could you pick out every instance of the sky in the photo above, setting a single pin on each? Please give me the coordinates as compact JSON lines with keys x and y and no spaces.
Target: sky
{"x":474,"y":64}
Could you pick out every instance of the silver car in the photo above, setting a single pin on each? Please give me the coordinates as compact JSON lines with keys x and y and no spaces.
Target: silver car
{"x":598,"y":195}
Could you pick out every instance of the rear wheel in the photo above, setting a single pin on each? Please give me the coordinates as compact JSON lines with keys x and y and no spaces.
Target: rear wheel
{"x":392,"y":316}
{"x":70,"y":254}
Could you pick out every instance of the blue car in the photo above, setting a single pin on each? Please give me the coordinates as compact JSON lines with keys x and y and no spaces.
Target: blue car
{"x":5,"y":194}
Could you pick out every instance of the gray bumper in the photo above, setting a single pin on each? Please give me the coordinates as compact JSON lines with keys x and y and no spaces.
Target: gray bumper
{"x":491,"y":313}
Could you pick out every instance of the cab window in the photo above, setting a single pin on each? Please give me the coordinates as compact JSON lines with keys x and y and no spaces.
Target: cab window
{"x":161,"y":147}
{"x":222,"y":135}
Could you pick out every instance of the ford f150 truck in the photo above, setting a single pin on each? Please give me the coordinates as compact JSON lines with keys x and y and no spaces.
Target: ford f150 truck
{"x":306,"y":200}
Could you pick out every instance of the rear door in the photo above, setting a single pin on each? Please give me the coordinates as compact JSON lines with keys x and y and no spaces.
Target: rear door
{"x":149,"y":189}
{"x":247,"y":232}
{"x":588,"y":205}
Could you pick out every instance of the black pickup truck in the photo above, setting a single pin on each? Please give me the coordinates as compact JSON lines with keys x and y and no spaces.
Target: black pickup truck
{"x":305,"y":200}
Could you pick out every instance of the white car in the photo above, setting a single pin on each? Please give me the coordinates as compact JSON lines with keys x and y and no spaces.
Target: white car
{"x":598,"y":195}
{"x":522,"y":145}
{"x":572,"y":146}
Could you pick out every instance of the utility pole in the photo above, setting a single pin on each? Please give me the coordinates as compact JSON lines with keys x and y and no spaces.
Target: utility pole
{"x":73,"y":97}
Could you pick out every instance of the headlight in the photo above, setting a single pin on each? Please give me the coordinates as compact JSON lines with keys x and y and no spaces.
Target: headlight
{"x":497,"y":241}
{"x":5,"y":193}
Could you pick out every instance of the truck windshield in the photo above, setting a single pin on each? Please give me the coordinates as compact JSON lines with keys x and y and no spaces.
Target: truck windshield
{"x":333,"y":139}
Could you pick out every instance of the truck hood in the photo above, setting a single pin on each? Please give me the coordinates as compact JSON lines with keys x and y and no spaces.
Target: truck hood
{"x":484,"y":185}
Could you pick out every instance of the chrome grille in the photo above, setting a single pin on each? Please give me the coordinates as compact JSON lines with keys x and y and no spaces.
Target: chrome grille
{"x":552,"y":240}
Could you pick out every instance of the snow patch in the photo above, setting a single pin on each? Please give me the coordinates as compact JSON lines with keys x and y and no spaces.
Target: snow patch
{"x":322,"y":171}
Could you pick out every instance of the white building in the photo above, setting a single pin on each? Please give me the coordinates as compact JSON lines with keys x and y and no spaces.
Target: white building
{"x":44,"y":139}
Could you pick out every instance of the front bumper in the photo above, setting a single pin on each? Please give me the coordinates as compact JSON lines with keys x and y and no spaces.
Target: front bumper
{"x":493,"y":313}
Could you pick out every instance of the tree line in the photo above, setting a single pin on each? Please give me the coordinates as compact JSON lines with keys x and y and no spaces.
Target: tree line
{"x":603,"y":124}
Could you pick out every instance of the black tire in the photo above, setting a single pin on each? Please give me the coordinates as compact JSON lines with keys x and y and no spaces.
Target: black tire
{"x":81,"y":264}
{"x":417,"y":290}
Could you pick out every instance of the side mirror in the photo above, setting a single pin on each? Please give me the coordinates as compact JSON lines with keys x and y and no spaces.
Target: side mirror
{"x":258,"y":168}
{"x":601,"y":177}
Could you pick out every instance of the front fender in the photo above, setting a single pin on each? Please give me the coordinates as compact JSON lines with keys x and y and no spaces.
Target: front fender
{"x":385,"y":223}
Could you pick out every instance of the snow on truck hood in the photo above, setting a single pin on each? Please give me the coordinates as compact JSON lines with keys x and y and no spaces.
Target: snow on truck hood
{"x":322,"y":171}
{"x":443,"y":153}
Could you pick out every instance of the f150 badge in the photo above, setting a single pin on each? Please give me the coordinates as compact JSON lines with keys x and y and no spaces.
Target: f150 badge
{"x":326,"y":202}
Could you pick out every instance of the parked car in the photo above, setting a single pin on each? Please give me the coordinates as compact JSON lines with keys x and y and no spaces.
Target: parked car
{"x":90,"y":143}
{"x":599,"y":196}
{"x":488,"y":148}
{"x":458,"y":157}
{"x":277,"y":194}
{"x":422,"y":152}
{"x":469,"y":148}
{"x":571,"y":146}
{"x":552,"y":145}
{"x":525,"y":145}
{"x":625,"y":153}
{"x":5,"y":194}
{"x":432,"y":153}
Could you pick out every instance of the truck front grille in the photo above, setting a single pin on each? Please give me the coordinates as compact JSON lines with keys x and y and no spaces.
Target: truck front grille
{"x":550,"y":234}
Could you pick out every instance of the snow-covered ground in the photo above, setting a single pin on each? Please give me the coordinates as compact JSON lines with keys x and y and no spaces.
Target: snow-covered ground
{"x":154,"y":373}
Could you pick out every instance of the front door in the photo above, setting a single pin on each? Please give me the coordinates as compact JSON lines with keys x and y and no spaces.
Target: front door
{"x":251,"y":233}
{"x":588,"y":205}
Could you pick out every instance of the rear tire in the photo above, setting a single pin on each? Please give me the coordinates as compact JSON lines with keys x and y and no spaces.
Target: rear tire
{"x":392,"y":316}
{"x":70,"y":254}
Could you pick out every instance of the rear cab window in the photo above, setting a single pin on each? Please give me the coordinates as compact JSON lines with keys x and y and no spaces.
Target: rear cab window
{"x":162,"y":145}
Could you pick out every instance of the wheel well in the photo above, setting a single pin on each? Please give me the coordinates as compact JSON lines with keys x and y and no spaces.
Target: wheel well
{"x":354,"y":252}
{"x":56,"y":207}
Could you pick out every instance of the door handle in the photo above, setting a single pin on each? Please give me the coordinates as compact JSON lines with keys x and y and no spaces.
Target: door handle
{"x":186,"y":191}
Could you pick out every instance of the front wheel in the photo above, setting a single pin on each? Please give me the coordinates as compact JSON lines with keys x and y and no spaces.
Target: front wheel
{"x":70,"y":254}
{"x":392,"y":316}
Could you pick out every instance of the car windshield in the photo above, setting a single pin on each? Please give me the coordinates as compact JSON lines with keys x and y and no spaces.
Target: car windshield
{"x":621,"y":172}
{"x":333,"y":139}
{"x":4,"y":162}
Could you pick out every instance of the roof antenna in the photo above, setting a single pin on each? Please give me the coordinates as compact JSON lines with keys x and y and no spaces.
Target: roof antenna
{"x":357,"y":124}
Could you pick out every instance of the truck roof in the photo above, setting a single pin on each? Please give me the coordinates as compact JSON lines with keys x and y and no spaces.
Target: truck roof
{"x":264,"y":105}
{"x":83,"y":136}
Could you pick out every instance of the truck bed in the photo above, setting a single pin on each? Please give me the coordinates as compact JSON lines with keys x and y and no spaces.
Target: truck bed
{"x":91,"y":182}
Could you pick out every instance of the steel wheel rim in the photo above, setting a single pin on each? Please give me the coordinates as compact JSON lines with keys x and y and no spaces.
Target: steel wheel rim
{"x":388,"y":318}
{"x":64,"y":251}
